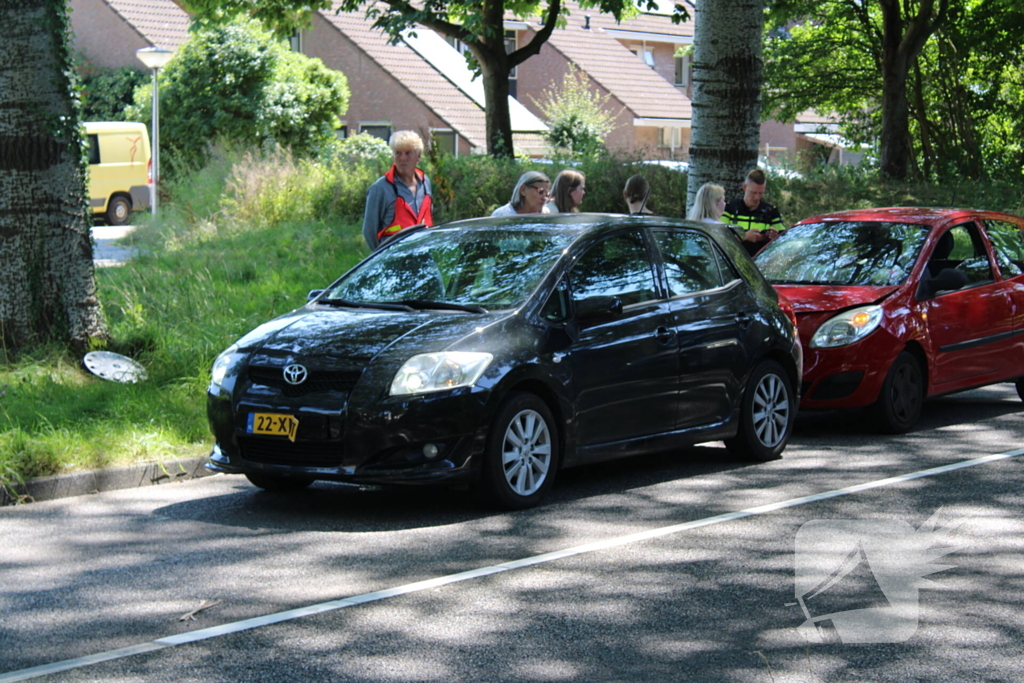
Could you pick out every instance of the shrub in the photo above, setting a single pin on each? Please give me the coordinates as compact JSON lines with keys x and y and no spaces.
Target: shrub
{"x":238,"y":84}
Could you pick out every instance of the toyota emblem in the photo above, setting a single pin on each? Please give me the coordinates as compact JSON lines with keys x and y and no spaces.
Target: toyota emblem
{"x":295,"y":374}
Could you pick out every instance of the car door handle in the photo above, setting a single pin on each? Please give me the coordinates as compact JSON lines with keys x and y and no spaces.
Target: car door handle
{"x":664,"y":336}
{"x":744,"y":319}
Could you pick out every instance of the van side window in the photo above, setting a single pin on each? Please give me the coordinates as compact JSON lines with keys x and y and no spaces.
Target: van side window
{"x":94,"y":148}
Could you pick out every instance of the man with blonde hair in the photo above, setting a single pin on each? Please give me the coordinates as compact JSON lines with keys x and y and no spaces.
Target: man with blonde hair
{"x":400,"y":198}
{"x":760,"y":221}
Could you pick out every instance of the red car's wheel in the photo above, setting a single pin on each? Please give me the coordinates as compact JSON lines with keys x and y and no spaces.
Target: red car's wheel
{"x":899,"y":404}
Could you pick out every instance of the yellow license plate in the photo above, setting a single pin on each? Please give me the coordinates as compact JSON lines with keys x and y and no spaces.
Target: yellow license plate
{"x":273,"y":424}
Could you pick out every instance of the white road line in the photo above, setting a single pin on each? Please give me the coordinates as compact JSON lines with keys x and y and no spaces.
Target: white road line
{"x":289,"y":615}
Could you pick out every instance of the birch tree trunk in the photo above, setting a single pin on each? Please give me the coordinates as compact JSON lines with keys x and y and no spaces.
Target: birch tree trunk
{"x":727,"y":74}
{"x":47,"y":285}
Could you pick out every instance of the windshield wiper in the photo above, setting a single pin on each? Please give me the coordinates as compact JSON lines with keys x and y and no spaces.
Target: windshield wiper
{"x":342,"y":303}
{"x":420,"y":304}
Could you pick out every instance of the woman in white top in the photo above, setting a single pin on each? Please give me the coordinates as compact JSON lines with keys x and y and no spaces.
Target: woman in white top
{"x":567,"y":192}
{"x":528,"y":196}
{"x":709,"y":204}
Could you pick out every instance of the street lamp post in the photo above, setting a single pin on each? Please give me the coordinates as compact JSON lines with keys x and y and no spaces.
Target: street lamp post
{"x":155,"y":58}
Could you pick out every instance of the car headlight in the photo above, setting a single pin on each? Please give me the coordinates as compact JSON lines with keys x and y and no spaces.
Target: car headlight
{"x":224,"y":362}
{"x":847,"y":327}
{"x":427,"y":372}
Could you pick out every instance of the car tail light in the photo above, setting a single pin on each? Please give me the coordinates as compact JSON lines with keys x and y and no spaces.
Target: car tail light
{"x":787,"y":307}
{"x":149,"y":172}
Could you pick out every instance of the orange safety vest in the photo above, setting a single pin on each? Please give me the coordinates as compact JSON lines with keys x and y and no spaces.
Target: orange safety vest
{"x":404,"y":216}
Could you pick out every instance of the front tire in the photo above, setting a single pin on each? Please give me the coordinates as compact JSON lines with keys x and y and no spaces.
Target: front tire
{"x":767,"y":413}
{"x":899,"y":404}
{"x":269,"y":482}
{"x":521,"y":456}
{"x":119,"y":210}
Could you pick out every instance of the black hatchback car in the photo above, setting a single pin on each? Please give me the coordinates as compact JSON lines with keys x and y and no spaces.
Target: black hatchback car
{"x":495,"y":352}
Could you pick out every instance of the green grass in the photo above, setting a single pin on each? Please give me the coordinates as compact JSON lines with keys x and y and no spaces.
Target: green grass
{"x":240,"y":243}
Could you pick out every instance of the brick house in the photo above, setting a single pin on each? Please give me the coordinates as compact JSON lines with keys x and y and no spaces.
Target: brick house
{"x":422,"y":83}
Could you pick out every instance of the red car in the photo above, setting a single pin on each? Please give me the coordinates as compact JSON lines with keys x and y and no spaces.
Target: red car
{"x":898,"y":305}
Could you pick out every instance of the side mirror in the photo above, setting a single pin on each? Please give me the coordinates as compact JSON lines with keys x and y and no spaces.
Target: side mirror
{"x":314,"y":293}
{"x":597,"y":307}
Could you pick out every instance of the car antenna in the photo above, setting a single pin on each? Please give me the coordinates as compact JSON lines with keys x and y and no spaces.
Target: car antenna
{"x":643,"y":204}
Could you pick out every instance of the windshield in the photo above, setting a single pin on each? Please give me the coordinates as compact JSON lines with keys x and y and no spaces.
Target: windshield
{"x":456,"y":268}
{"x":843,"y":253}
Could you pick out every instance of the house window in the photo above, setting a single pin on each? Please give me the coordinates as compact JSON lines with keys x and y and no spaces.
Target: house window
{"x":682,"y":71}
{"x":295,"y":41}
{"x":669,"y":137}
{"x":378,"y":130}
{"x":446,"y":141}
{"x":645,"y":54}
{"x":341,"y":132}
{"x":456,"y":43}
{"x":511,"y":43}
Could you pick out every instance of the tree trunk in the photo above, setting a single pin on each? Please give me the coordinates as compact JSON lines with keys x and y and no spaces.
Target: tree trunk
{"x":902,"y":40}
{"x":47,"y":285}
{"x":727,"y":74}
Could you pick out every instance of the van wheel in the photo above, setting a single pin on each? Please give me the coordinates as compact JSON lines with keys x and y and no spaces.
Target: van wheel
{"x":119,"y":210}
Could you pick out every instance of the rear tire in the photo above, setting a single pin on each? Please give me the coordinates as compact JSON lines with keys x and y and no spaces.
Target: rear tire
{"x":119,"y":210}
{"x":1020,"y":387}
{"x":899,"y":404}
{"x":521,"y":455}
{"x":767,"y":413}
{"x":270,"y":482}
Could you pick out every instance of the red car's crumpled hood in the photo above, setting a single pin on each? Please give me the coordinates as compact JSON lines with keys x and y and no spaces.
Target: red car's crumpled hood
{"x":811,"y":298}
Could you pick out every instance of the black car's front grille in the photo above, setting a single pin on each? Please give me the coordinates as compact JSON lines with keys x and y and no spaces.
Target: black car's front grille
{"x":272,"y":451}
{"x":319,"y":380}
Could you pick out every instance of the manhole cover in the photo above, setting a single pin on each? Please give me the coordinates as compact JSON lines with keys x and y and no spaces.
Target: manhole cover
{"x":114,"y":366}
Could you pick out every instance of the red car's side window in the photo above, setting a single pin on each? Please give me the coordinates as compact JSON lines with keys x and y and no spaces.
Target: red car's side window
{"x":1008,"y":243}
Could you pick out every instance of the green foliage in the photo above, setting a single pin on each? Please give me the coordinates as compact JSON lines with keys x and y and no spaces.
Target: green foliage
{"x":576,"y":116}
{"x":364,"y":147}
{"x":963,"y":91}
{"x":237,"y":84}
{"x":106,"y":93}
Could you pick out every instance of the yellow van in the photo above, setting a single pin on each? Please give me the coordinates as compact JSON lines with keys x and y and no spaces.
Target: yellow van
{"x":118,"y":169}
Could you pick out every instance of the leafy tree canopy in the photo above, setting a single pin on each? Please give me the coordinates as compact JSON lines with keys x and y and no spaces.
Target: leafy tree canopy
{"x":237,"y":83}
{"x":106,"y":93}
{"x":965,"y":104}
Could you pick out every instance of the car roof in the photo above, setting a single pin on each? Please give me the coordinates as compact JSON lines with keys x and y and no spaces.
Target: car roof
{"x":904,"y":214}
{"x":576,"y":222}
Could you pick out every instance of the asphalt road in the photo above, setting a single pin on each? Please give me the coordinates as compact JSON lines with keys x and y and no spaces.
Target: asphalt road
{"x":106,"y":252}
{"x":679,"y":567}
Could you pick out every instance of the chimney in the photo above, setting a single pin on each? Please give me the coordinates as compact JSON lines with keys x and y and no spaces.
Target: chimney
{"x":586,"y":22}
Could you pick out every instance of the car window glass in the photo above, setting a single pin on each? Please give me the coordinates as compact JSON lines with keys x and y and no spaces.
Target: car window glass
{"x":1008,"y":243}
{"x":872,"y":253}
{"x":619,"y":267}
{"x":689,"y":260}
{"x":492,"y":268}
{"x":965,"y":253}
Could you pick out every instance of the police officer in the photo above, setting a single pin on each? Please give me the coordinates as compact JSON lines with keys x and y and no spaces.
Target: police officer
{"x":761,"y":222}
{"x":401,"y":197}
